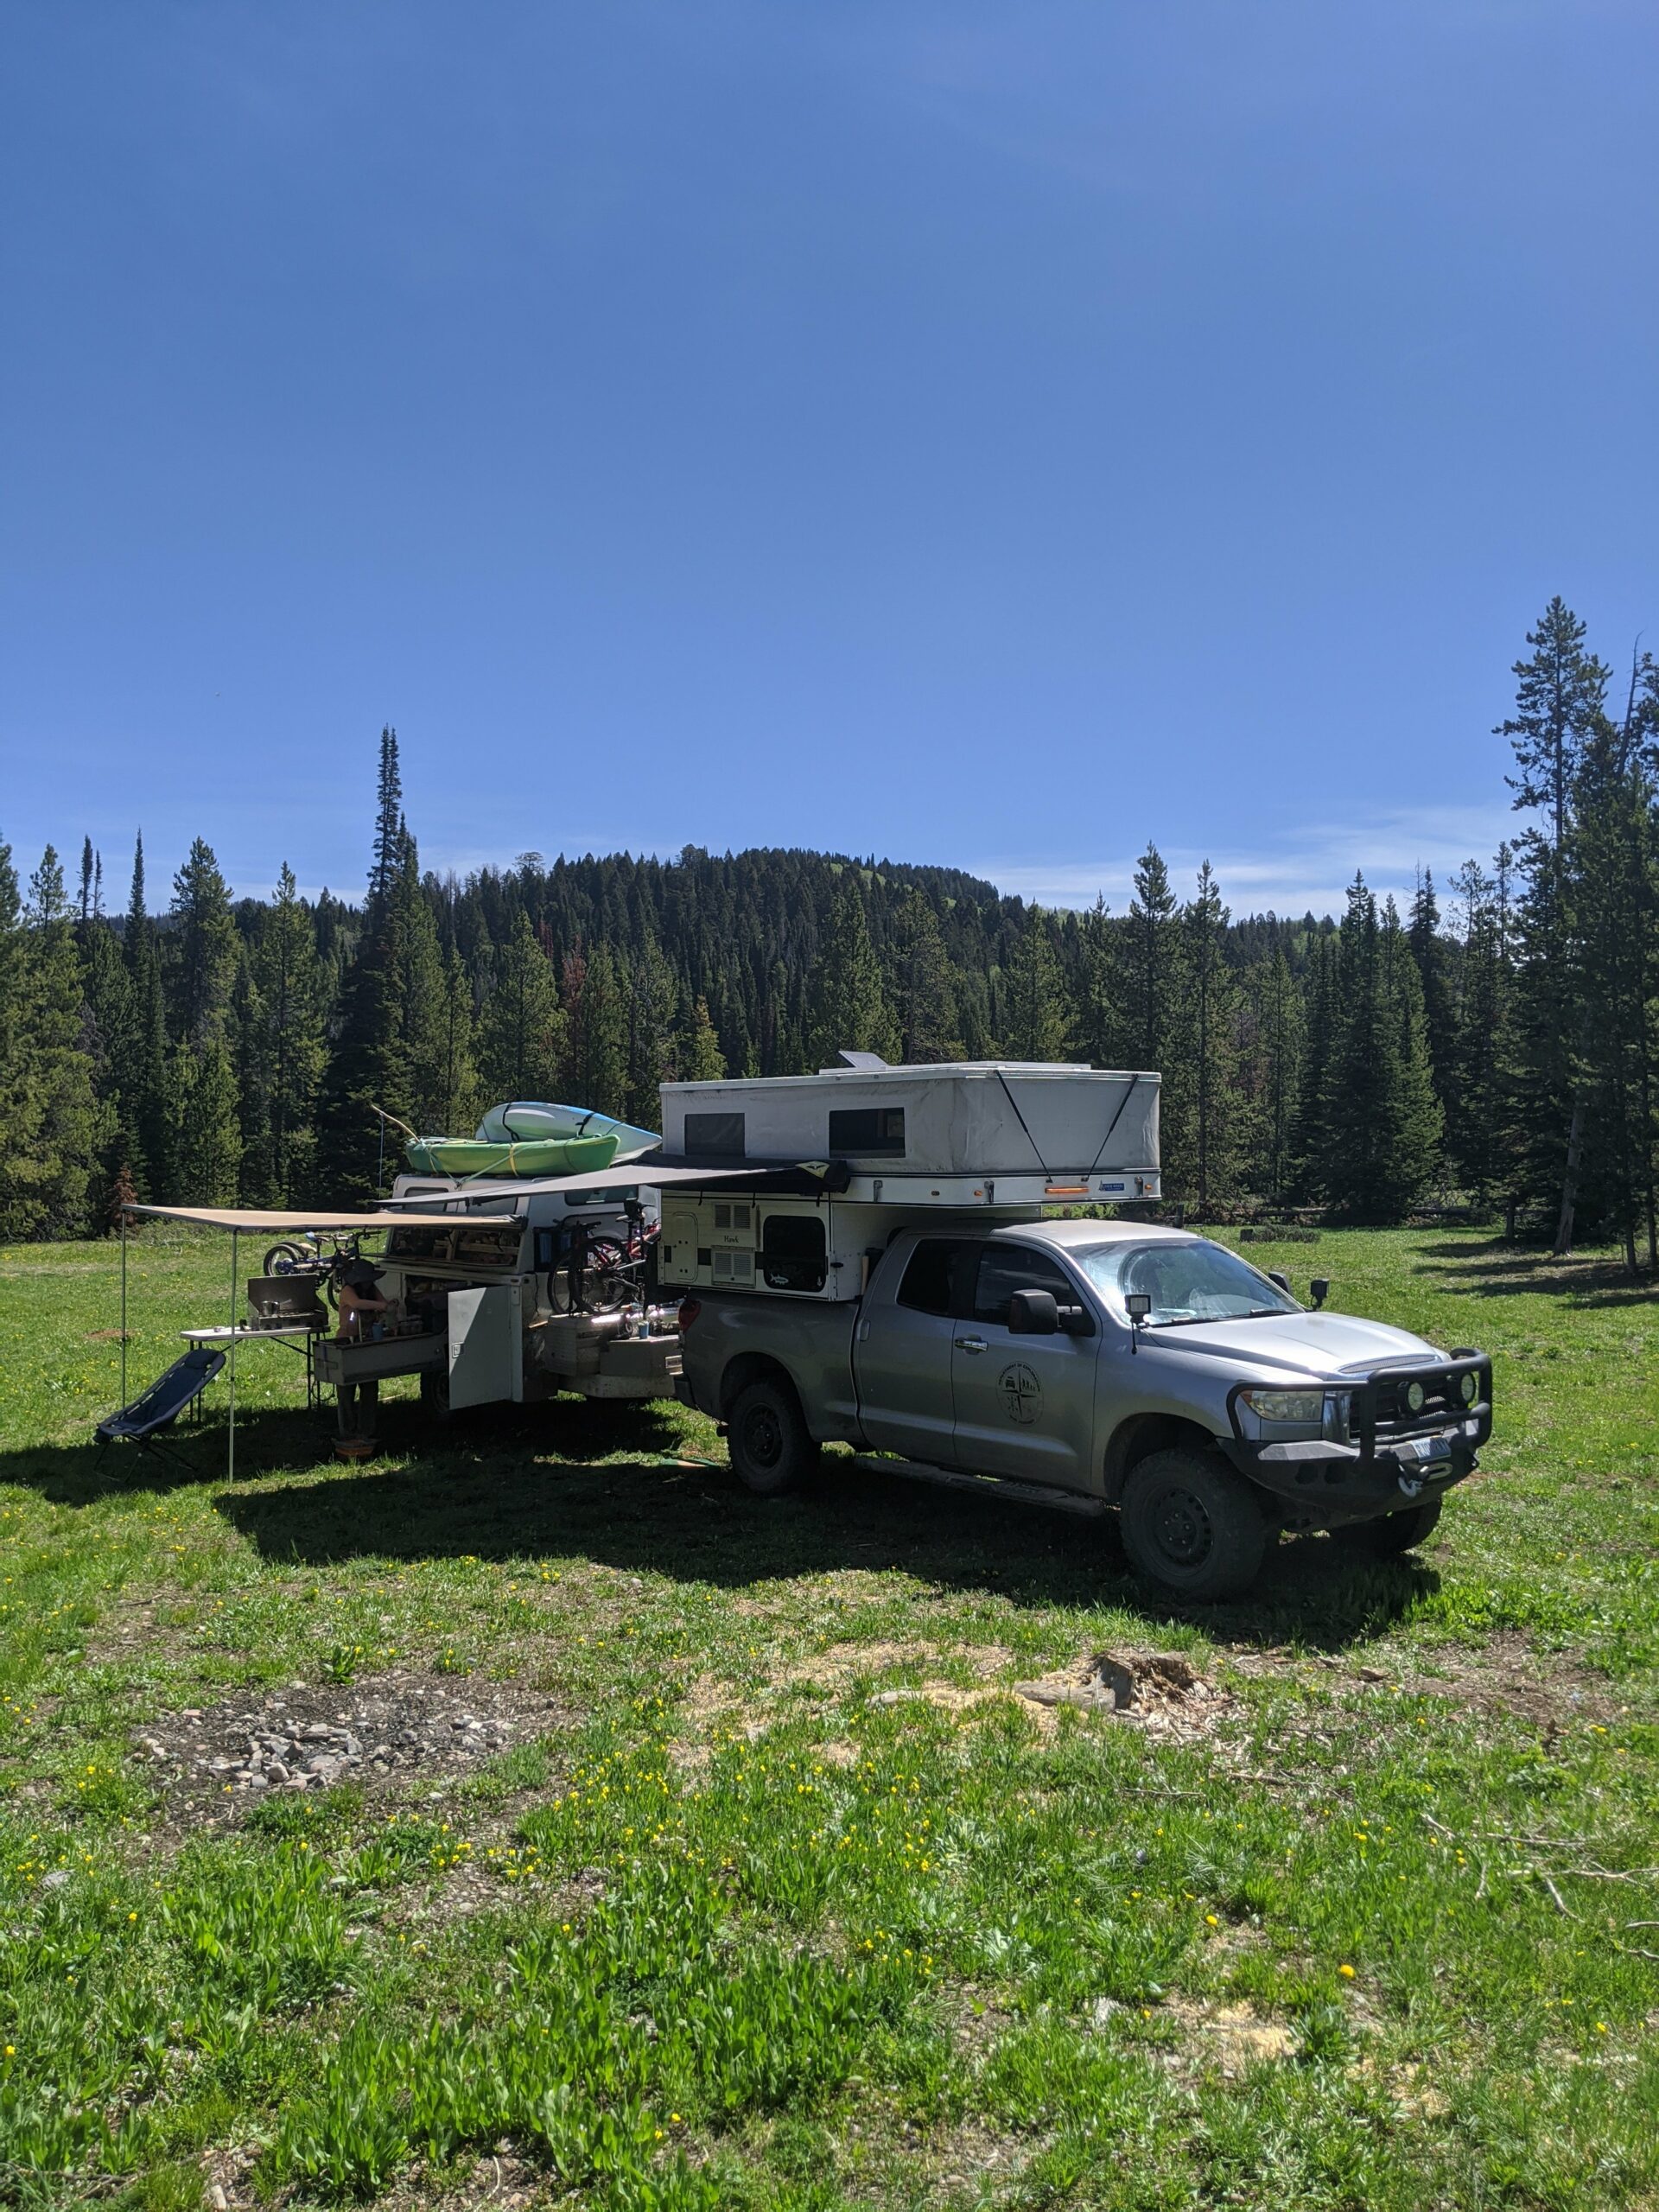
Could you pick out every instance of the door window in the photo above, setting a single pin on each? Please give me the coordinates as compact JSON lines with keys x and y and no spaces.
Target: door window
{"x":1004,"y":1268}
{"x":930,"y":1279}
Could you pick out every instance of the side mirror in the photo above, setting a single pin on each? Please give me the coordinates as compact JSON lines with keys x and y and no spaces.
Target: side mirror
{"x":1320,"y":1287}
{"x":1074,"y":1321}
{"x":1033,"y":1313}
{"x":1283,"y":1280}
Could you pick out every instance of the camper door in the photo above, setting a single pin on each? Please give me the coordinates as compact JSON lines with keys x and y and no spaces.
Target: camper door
{"x":486,"y":1346}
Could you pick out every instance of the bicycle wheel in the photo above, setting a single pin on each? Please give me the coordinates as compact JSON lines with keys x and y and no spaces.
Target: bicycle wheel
{"x":289,"y":1259}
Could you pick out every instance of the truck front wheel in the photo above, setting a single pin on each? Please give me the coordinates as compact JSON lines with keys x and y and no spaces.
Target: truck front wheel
{"x":769,"y":1446}
{"x":1397,"y":1532}
{"x":1190,"y":1522}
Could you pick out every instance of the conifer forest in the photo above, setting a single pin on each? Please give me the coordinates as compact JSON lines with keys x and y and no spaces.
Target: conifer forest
{"x":1495,"y":1046}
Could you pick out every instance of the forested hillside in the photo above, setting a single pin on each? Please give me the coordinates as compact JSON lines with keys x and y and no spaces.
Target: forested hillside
{"x":1501,"y":1043}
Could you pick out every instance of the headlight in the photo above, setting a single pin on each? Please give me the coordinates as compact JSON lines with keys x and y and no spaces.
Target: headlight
{"x":1416,"y":1397}
{"x":1286,"y":1405}
{"x":1468,"y":1389}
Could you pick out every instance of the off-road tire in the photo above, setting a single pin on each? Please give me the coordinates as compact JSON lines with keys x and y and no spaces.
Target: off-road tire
{"x":1192,"y":1524}
{"x":1397,"y":1532}
{"x":434,"y":1396}
{"x":767,"y":1438}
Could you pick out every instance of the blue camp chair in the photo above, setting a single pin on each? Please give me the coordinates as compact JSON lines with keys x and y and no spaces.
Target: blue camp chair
{"x":157,"y":1408}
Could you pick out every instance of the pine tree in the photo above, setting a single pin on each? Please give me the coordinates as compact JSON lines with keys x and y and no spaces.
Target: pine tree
{"x":111,"y":1039}
{"x":1477,"y":1119}
{"x":367,"y":1071}
{"x":389,"y":828}
{"x":1277,"y":1040}
{"x":423,"y":1088}
{"x":652,"y":997}
{"x":207,"y":946}
{"x":1211,"y":1021}
{"x":701,"y":1057}
{"x":209,"y":1136}
{"x":144,"y":1082}
{"x":848,"y":1009}
{"x":920,"y":989}
{"x":1381,"y":1120}
{"x":1428,"y":949}
{"x":53,"y":1132}
{"x":1100,"y":1011}
{"x":595,"y":1050}
{"x":1153,"y":989}
{"x":287,"y":1023}
{"x":1560,"y":702}
{"x":1312,"y":1141}
{"x":1037,"y":1019}
{"x":521,"y":1030}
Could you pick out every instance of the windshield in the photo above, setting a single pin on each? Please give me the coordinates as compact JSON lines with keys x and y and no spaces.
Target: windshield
{"x":1186,"y":1282}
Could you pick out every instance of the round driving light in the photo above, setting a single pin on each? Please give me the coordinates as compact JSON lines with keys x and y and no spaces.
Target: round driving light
{"x":1416,"y":1397}
{"x":1468,"y":1389}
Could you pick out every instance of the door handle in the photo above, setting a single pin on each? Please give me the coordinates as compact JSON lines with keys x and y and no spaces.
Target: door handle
{"x":972,"y":1344}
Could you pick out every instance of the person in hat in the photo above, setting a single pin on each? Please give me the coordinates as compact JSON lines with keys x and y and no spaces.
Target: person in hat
{"x":360,"y":1308}
{"x":361,"y":1302}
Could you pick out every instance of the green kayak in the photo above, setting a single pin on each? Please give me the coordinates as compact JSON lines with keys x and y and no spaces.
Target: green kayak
{"x":537,"y":1156}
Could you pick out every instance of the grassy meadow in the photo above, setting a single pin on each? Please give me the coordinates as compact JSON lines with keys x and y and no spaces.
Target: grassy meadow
{"x":770,"y":1889}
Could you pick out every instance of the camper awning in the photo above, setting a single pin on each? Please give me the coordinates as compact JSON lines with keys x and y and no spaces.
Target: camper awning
{"x":263,"y":1221}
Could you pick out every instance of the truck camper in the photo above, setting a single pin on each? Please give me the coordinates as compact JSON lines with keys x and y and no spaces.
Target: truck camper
{"x":872,"y":1259}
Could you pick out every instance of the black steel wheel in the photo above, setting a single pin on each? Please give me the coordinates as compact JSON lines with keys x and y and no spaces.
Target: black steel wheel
{"x":1191,"y":1523}
{"x":767,"y":1438}
{"x":1397,"y":1532}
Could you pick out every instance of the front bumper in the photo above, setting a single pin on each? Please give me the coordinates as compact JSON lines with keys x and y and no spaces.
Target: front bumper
{"x":1393,"y":1460}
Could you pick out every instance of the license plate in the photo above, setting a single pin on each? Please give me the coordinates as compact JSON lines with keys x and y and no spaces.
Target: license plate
{"x":1431,"y":1447}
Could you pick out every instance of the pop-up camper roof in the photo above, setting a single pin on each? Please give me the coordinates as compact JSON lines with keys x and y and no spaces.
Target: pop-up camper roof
{"x":978,"y":1118}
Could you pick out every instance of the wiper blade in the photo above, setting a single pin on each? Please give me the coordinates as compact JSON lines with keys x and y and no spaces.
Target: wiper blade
{"x":1205,"y":1320}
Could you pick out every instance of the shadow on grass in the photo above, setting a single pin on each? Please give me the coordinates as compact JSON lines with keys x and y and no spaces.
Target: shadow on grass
{"x":491,"y":1493}
{"x":1495,"y":1269}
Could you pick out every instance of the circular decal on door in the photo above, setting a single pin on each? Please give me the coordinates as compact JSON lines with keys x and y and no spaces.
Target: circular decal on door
{"x":1022,"y":1394}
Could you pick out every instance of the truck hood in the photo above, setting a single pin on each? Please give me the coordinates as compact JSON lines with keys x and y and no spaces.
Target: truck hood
{"x":1320,"y":1346}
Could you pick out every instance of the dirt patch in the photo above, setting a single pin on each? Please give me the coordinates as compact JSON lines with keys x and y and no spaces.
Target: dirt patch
{"x":1507,"y":1678}
{"x":1229,"y":2038}
{"x":1159,"y":1691}
{"x":383,"y":1733}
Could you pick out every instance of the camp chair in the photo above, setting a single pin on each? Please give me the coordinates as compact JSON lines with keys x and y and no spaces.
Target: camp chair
{"x":159,"y":1407}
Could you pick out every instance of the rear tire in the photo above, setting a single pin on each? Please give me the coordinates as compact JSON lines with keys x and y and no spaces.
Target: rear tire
{"x":434,"y":1396}
{"x":1192,"y":1524}
{"x":1397,"y":1532}
{"x":767,"y":1438}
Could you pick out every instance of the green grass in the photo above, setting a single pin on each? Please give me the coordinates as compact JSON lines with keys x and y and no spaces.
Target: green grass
{"x":726,"y":1924}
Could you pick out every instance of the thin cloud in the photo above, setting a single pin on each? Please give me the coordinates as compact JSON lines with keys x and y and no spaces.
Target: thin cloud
{"x":1307,"y":870}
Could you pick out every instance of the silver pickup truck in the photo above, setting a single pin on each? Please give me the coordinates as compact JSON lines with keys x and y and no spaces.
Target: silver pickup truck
{"x":1136,"y":1367}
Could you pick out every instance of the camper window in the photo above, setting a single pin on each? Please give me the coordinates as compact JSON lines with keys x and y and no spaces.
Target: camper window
{"x":862,"y":1130}
{"x":794,"y":1253}
{"x":716,"y":1136}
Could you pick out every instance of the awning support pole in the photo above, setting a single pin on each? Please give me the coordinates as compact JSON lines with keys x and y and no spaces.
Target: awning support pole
{"x":124,"y":1306}
{"x":230,"y":1474}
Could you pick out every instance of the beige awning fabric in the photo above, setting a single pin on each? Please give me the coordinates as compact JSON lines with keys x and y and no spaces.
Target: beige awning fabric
{"x":258,"y":1221}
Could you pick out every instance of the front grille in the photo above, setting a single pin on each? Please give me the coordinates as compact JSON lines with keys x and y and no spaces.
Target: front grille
{"x":1381,"y":1416}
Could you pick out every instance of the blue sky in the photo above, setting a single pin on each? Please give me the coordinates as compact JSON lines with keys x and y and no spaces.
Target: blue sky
{"x":984,"y":435}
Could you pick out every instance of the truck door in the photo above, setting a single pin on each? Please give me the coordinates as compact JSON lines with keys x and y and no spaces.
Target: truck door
{"x":1025,"y":1405}
{"x":902,"y":1353}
